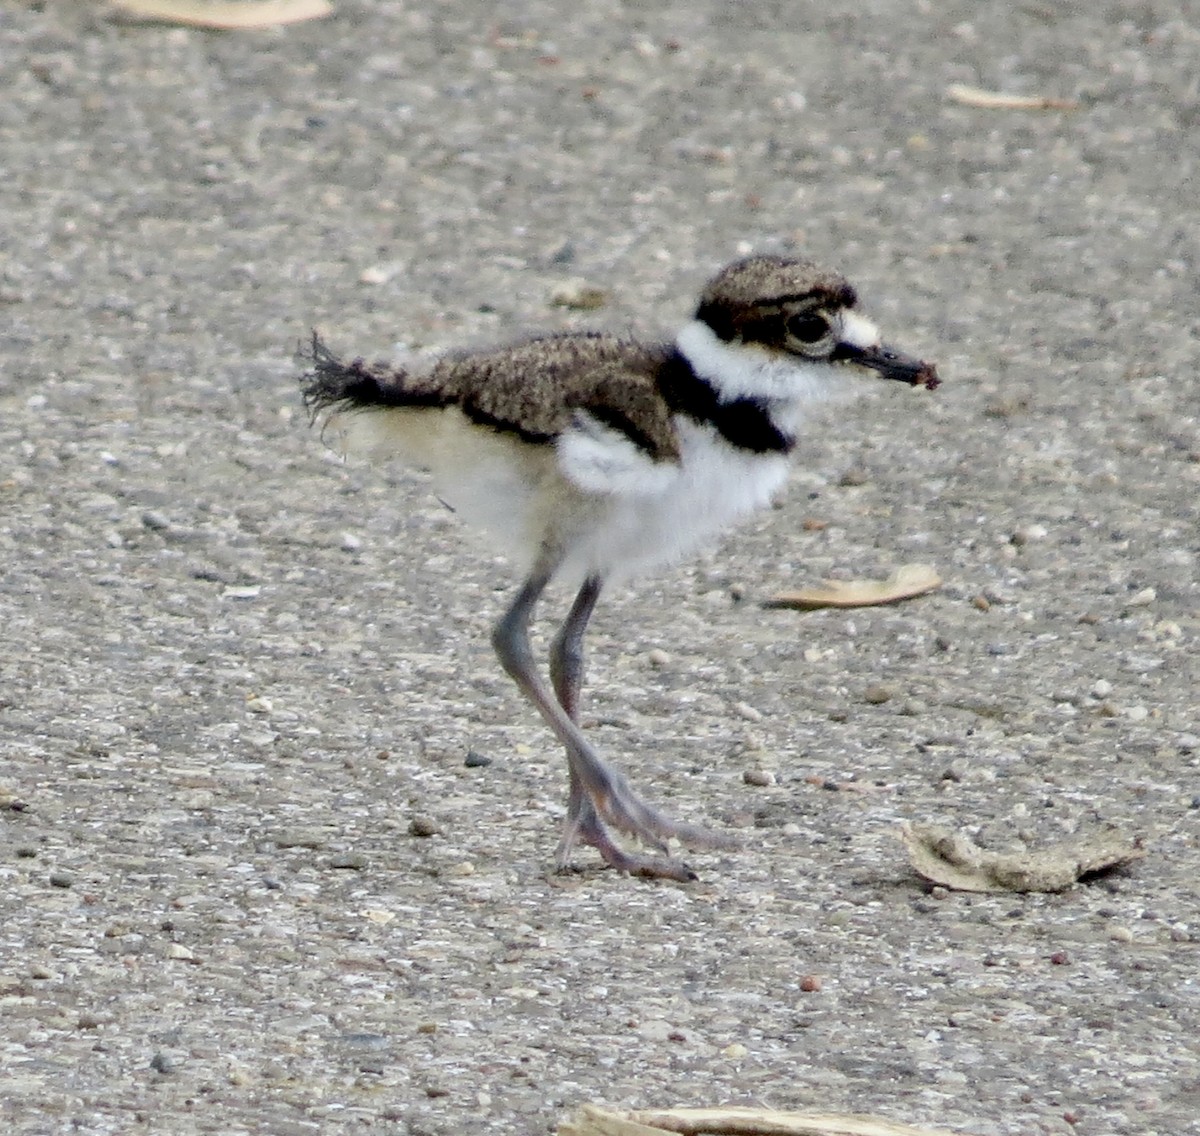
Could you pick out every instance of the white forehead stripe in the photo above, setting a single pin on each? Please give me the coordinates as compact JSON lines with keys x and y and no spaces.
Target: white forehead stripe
{"x":858,"y":331}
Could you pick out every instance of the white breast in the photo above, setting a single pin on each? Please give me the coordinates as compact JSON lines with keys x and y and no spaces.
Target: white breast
{"x":714,"y":485}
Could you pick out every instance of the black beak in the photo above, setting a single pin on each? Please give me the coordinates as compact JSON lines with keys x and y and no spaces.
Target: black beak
{"x":890,"y":364}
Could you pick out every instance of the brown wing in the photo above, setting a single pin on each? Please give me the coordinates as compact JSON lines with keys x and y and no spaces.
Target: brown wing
{"x":534,"y":388}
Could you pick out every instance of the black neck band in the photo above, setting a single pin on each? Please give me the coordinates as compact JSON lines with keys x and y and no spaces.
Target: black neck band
{"x":743,"y":422}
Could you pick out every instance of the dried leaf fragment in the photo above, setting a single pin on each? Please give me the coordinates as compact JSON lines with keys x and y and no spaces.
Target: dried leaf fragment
{"x":595,"y":1121}
{"x":998,"y":100}
{"x":953,"y":860}
{"x":907,"y":581}
{"x":226,"y":15}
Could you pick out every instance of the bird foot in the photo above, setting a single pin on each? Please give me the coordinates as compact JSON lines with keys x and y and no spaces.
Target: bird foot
{"x":621,"y":807}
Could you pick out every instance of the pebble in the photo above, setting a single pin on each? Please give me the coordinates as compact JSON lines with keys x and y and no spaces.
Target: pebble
{"x":475,"y":760}
{"x":300,"y":838}
{"x":378,"y":273}
{"x":1120,"y":934}
{"x":657,"y":657}
{"x":853,"y":477}
{"x":161,"y":1063}
{"x":578,"y":295}
{"x":759,"y":777}
{"x":353,"y":861}
{"x":1101,"y":688}
{"x":878,"y":693}
{"x":61,"y":879}
{"x":1027,"y":534}
{"x":1143,"y":598}
{"x":350,"y":542}
{"x":735,"y":1052}
{"x":748,"y":712}
{"x":423,"y":826}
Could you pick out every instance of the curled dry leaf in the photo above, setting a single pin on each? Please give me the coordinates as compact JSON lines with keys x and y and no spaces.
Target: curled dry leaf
{"x":227,"y":15}
{"x":953,"y":860}
{"x":998,"y":100}
{"x":595,"y":1121}
{"x":906,"y":582}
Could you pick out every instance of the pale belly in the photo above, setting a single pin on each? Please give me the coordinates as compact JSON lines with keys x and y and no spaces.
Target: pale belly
{"x":518,"y":493}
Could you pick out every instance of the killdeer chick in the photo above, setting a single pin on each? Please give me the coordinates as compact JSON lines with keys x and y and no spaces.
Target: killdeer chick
{"x":595,"y":457}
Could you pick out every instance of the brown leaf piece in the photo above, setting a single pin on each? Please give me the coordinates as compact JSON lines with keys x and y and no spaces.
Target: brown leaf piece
{"x":907,"y":581}
{"x":998,"y":100}
{"x":953,"y":860}
{"x":595,"y":1121}
{"x":226,"y":15}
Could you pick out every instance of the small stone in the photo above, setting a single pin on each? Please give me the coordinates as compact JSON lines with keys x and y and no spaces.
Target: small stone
{"x":179,"y":953}
{"x":982,"y":602}
{"x":352,"y":861}
{"x":1143,"y":598}
{"x":735,"y":1052}
{"x":1137,"y":713}
{"x":350,"y":542}
{"x":853,"y":477}
{"x":1060,"y":958}
{"x":760,"y":777}
{"x":1027,"y":534}
{"x":300,"y":838}
{"x":241,"y":592}
{"x":578,"y":295}
{"x":61,"y":879}
{"x":878,"y":693}
{"x":1101,"y":688}
{"x":657,"y":657}
{"x":1119,"y":934}
{"x":748,"y":712}
{"x":378,"y":273}
{"x":474,"y":760}
{"x":423,"y":826}
{"x":810,"y":984}
{"x":161,"y":1063}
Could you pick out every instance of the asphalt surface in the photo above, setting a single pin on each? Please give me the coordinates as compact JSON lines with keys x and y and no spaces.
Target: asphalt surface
{"x":250,"y":882}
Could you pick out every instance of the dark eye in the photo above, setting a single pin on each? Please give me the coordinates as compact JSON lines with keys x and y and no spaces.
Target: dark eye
{"x":808,"y":328}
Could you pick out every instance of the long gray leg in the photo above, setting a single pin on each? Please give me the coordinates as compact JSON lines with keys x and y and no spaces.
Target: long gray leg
{"x":597,"y":792}
{"x":566,"y":676}
{"x":566,"y":652}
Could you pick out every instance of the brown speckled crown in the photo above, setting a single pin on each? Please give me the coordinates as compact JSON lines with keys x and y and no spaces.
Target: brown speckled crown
{"x":748,"y":293}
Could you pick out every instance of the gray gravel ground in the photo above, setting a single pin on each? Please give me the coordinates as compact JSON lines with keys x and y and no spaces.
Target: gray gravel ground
{"x":241,"y":678}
